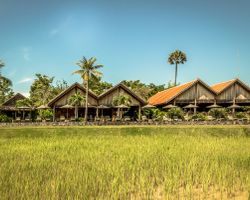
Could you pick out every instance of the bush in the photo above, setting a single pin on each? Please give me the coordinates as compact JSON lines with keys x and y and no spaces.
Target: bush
{"x":45,"y":114}
{"x":4,"y":118}
{"x":158,"y":114}
{"x":240,"y":115}
{"x":199,"y":116}
{"x":218,"y":113}
{"x":175,"y":113}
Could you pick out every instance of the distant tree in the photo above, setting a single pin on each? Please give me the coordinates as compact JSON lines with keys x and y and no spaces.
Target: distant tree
{"x":3,"y":78}
{"x":76,"y":100}
{"x":6,"y":91}
{"x":60,"y":86}
{"x":138,"y":87}
{"x":155,"y":89}
{"x":176,"y":58}
{"x":98,"y":86}
{"x":88,"y":70}
{"x":41,"y":90}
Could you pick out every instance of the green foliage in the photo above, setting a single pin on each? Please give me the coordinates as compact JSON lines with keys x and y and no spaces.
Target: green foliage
{"x":175,"y":58}
{"x":59,"y":87}
{"x":98,"y":86}
{"x":6,"y":91}
{"x":218,"y":113}
{"x":245,"y":109}
{"x":240,"y":115}
{"x":143,"y":90}
{"x":175,"y":113}
{"x":24,"y":102}
{"x":88,"y":69}
{"x":199,"y":116}
{"x":158,"y":114}
{"x":4,"y":118}
{"x":45,"y":114}
{"x":41,"y":90}
{"x":121,"y":99}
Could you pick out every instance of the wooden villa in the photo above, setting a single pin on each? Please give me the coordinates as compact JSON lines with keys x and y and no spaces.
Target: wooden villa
{"x":232,"y":92}
{"x":9,"y":107}
{"x":120,"y":89}
{"x":200,"y":95}
{"x":103,"y":102}
{"x":62,"y":99}
{"x":195,"y":92}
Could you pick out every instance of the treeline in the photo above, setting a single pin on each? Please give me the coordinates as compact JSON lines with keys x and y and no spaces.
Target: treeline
{"x":44,"y":88}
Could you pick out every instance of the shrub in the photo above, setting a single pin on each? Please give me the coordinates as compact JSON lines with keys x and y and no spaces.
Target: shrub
{"x":45,"y":114}
{"x":175,"y":112}
{"x":4,"y":118}
{"x":158,"y":114}
{"x":199,"y":116}
{"x":240,"y":115}
{"x":218,"y":113}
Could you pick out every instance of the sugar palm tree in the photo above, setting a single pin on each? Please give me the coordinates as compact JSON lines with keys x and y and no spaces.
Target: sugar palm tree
{"x":76,"y":100}
{"x":88,"y":69}
{"x":175,"y":58}
{"x":3,"y":78}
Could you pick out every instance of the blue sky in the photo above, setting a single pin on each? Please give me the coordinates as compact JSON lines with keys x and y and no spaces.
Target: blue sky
{"x":132,"y":39}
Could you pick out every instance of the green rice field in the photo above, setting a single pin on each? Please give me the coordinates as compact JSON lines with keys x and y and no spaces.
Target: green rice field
{"x":125,"y":162}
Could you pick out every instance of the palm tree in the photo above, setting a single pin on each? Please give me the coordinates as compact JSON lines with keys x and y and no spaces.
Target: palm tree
{"x":76,"y":100}
{"x":121,"y":100}
{"x":175,"y":58}
{"x":88,"y":70}
{"x":3,"y":78}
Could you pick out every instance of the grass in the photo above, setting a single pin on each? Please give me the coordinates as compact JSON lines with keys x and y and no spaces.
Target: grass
{"x":125,"y":162}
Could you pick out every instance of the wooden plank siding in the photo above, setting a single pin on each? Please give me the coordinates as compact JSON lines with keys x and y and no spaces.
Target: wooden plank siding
{"x":108,"y":99}
{"x":63,"y":98}
{"x":197,"y":92}
{"x":234,"y":93}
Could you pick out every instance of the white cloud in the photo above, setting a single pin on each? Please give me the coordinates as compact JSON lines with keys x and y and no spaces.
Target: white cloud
{"x":26,"y":53}
{"x":25,"y":80}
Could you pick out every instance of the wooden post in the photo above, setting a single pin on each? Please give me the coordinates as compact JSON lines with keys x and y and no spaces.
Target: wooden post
{"x":97,"y":112}
{"x":139,"y":113}
{"x":195,"y":102}
{"x":54,"y":113}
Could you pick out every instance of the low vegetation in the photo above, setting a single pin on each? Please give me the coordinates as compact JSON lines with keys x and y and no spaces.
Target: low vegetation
{"x":125,"y":162}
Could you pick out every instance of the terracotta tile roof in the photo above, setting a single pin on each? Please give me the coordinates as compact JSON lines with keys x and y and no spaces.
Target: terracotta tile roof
{"x":167,"y":95}
{"x":221,"y":86}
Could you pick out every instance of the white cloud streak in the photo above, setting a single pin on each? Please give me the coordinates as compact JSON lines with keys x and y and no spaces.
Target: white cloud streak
{"x":26,"y":80}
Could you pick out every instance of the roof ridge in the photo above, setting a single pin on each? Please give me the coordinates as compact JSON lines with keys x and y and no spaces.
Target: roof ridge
{"x":235,"y":79}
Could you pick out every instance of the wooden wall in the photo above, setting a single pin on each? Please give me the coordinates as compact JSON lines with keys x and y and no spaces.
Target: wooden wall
{"x":65,"y":99}
{"x":108,"y":99}
{"x":196,"y":91}
{"x":232,"y":92}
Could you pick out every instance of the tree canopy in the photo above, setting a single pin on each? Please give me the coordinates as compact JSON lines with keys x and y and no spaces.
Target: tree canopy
{"x":6,"y":91}
{"x":175,"y":58}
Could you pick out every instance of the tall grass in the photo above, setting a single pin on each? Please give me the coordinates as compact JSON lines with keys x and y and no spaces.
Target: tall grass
{"x":124,"y":162}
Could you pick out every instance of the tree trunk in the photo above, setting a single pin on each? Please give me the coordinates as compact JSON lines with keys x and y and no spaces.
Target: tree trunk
{"x":176,"y":68}
{"x":86,"y":103}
